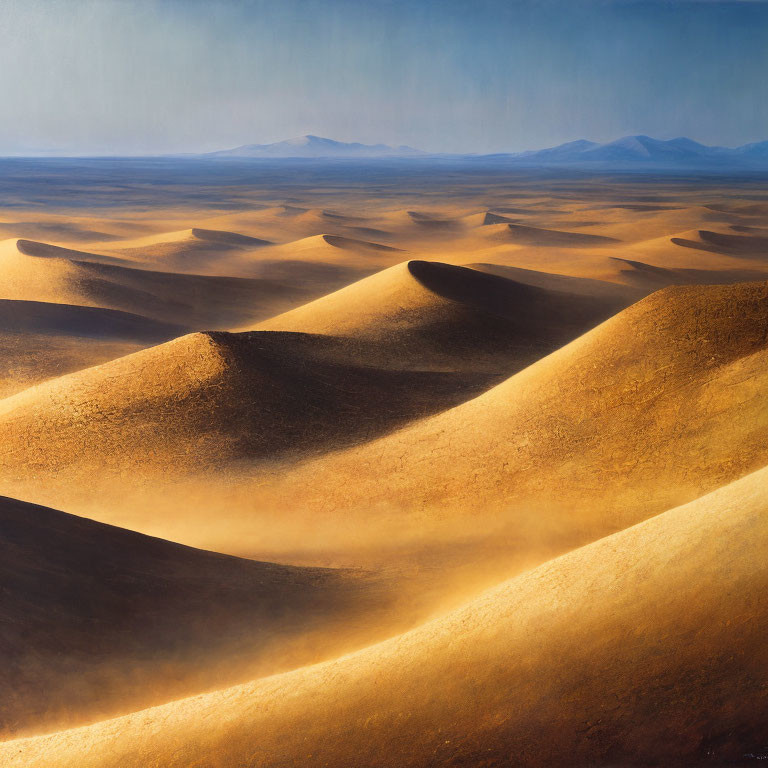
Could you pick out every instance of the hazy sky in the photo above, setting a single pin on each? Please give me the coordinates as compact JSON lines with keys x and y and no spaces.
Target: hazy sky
{"x":148,"y":76}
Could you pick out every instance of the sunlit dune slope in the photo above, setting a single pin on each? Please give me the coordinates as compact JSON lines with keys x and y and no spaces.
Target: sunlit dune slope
{"x":40,"y":340}
{"x":430,"y":315}
{"x":659,"y":404}
{"x":196,"y":250}
{"x":97,"y":620}
{"x":643,"y":648}
{"x":209,"y":399}
{"x":335,"y":249}
{"x":190,"y":300}
{"x":318,"y":277}
{"x":47,"y":251}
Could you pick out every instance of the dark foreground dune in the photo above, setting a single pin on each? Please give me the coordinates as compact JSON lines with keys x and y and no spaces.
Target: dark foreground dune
{"x":97,"y":620}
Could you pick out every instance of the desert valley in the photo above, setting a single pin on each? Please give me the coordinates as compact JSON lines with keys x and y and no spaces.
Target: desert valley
{"x":396,"y":463}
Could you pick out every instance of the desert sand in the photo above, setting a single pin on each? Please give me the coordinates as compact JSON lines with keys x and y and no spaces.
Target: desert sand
{"x":337,"y":467}
{"x":597,"y":657}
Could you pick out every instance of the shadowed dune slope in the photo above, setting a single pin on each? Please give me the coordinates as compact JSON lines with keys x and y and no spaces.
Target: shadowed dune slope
{"x":649,"y":277}
{"x":40,"y":340}
{"x":208,"y":399}
{"x":191,"y":300}
{"x":610,"y":295}
{"x":745,"y":245}
{"x":656,"y":406}
{"x":643,"y":648}
{"x":431,"y":315}
{"x":86,"y":322}
{"x":97,"y":620}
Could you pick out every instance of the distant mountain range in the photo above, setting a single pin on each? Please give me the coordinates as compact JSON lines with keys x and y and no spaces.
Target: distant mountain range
{"x":644,"y":151}
{"x":627,"y":152}
{"x":316,"y":146}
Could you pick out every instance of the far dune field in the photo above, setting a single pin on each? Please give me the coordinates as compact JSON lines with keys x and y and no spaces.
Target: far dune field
{"x":345,"y":465}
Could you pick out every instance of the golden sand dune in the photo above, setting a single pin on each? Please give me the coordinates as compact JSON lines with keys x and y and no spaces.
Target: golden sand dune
{"x":611,"y":295}
{"x":197,"y":251}
{"x":429,"y":315}
{"x":643,"y":648}
{"x":206,"y":400}
{"x":741,"y":208}
{"x":35,"y":273}
{"x":316,"y":276}
{"x":718,"y":242}
{"x":421,"y":224}
{"x":654,"y":407}
{"x":39,"y":341}
{"x":650,"y":277}
{"x":486,"y":218}
{"x":96,"y":620}
{"x":47,"y":251}
{"x":336,"y":250}
{"x":319,"y":216}
{"x":535,"y":236}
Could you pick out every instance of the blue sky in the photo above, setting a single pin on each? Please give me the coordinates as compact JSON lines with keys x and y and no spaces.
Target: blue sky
{"x":148,"y":76}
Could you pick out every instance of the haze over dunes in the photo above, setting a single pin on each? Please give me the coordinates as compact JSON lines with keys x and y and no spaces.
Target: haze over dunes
{"x":414,"y":465}
{"x":98,"y":618}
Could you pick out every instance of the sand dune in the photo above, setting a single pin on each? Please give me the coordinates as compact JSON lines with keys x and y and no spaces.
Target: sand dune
{"x":318,"y":216}
{"x":86,"y":322}
{"x":650,"y":277}
{"x":35,"y":273}
{"x":196,"y":250}
{"x":39,"y":341}
{"x":335,"y":249}
{"x":614,"y":296}
{"x":97,"y":620}
{"x":206,"y":400}
{"x":644,"y":648}
{"x":47,"y":251}
{"x":738,"y":245}
{"x":525,"y":235}
{"x":316,"y":276}
{"x":654,"y":407}
{"x":486,"y":218}
{"x":429,"y":315}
